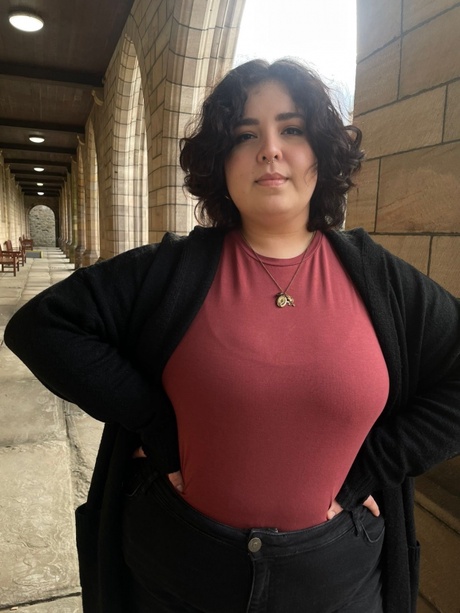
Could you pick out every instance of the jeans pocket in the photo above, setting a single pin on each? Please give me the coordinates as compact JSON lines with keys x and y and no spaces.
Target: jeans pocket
{"x":372,"y":527}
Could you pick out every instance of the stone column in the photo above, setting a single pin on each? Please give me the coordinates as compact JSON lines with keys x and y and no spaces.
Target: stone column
{"x":81,"y":209}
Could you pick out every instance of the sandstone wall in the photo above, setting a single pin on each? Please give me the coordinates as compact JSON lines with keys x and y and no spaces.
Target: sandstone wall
{"x":407,"y":103}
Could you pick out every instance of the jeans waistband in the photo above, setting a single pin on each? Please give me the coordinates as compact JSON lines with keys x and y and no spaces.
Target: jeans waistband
{"x":273,"y":541}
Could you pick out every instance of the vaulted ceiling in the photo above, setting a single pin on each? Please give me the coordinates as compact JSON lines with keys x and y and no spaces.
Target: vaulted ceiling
{"x":47,"y":82}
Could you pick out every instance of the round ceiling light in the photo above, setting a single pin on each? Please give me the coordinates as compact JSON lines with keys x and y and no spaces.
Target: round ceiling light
{"x":39,"y":169}
{"x":27,"y":22}
{"x":40,"y":184}
{"x":41,"y":193}
{"x":36,"y":139}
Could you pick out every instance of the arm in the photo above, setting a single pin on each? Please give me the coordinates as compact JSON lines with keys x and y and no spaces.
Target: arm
{"x":74,"y":338}
{"x":423,"y":427}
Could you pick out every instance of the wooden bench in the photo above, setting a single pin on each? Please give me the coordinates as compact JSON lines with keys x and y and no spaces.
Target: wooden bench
{"x":21,"y":254}
{"x":9,"y":259}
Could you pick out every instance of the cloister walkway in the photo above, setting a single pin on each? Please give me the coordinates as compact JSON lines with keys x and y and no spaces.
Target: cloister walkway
{"x":47,"y":448}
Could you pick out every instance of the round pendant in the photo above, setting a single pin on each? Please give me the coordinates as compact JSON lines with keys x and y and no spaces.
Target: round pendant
{"x":283,"y":300}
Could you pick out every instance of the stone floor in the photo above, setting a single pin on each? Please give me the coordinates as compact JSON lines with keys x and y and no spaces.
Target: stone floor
{"x":47,"y":449}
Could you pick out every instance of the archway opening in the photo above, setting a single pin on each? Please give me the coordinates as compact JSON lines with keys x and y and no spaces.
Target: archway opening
{"x":42,"y":224}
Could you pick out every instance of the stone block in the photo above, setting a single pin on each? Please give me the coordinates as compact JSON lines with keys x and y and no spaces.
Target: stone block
{"x":6,"y":312}
{"x":452,"y":121}
{"x":377,"y":79}
{"x":412,"y":249}
{"x":362,"y":200}
{"x":445,"y":262}
{"x":28,"y":411}
{"x":424,"y":607}
{"x":378,"y":24}
{"x":38,"y":555}
{"x":12,"y":367}
{"x":408,"y":124}
{"x":418,"y":191}
{"x":446,"y":475}
{"x":418,"y":11}
{"x":60,"y":605}
{"x":11,"y":292}
{"x":440,"y":552}
{"x":431,"y":54}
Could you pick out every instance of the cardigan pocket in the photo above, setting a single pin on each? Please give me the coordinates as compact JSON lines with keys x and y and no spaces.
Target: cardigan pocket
{"x":87,"y":532}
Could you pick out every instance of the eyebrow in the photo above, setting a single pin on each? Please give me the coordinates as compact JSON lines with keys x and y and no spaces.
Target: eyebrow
{"x":250,"y":121}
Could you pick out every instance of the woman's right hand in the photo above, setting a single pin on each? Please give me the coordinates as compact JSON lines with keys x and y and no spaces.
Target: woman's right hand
{"x":175,"y":478}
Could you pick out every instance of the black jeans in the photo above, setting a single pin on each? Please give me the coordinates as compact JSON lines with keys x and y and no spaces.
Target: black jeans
{"x":181,"y":561}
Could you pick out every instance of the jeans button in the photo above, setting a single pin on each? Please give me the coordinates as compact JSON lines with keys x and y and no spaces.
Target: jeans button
{"x":254,"y":545}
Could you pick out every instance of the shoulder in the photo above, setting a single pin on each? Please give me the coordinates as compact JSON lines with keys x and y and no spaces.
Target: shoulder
{"x":138,"y":262}
{"x":357,"y":245}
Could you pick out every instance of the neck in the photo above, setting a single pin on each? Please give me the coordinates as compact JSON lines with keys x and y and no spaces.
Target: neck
{"x":278,"y":244}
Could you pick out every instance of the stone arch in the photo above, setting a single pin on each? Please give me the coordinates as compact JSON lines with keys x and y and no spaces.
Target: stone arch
{"x":196,"y":44}
{"x":129,"y":222}
{"x":42,"y":224}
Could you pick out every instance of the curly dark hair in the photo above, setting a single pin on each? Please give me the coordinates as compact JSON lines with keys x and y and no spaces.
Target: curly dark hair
{"x":205,"y":149}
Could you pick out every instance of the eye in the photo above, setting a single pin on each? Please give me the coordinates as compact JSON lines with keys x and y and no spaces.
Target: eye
{"x":294,"y":131}
{"x":243,"y":137}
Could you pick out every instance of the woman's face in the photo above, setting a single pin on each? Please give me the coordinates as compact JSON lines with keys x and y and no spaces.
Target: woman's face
{"x":271,"y":171}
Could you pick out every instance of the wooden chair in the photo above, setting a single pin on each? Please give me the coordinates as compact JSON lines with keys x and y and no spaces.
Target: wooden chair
{"x":26,"y":243}
{"x":19,"y":252}
{"x":9,"y":259}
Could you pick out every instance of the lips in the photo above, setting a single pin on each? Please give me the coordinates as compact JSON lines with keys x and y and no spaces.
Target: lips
{"x":271,"y":180}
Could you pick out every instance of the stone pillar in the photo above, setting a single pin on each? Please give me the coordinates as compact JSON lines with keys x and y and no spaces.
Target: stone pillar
{"x":73,"y":210}
{"x":407,"y":103}
{"x":91,"y":198}
{"x":81,"y":209}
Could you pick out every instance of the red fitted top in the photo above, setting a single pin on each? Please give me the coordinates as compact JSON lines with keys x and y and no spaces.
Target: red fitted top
{"x":273,"y":404}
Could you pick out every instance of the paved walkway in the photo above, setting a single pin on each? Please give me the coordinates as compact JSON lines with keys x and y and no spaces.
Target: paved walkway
{"x":47,"y":449}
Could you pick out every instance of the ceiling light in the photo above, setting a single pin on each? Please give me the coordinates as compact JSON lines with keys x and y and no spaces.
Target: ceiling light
{"x":27,"y":22}
{"x":39,"y":169}
{"x":36,"y":139}
{"x":40,"y":184}
{"x":41,"y":193}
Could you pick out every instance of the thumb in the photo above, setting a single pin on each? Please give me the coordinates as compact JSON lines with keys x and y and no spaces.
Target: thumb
{"x":333,"y":510}
{"x":177,"y":480}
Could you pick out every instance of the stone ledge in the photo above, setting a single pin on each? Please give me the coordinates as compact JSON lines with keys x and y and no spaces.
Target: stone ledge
{"x":72,"y":604}
{"x":38,"y":558}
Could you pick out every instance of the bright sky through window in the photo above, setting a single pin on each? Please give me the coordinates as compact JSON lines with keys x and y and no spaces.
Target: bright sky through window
{"x":320,"y":32}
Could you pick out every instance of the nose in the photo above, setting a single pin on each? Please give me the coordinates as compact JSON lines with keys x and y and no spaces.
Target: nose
{"x":269,"y":151}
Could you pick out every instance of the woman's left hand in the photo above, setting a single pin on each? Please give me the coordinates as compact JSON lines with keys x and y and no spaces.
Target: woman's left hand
{"x":369,"y":503}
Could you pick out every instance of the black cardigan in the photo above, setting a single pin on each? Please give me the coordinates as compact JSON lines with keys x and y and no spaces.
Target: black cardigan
{"x":101,"y":338}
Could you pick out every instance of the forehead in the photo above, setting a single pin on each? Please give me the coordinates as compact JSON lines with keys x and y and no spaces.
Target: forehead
{"x":268,"y":94}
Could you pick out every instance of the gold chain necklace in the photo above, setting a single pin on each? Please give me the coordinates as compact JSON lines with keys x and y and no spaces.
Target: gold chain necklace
{"x":282,"y":299}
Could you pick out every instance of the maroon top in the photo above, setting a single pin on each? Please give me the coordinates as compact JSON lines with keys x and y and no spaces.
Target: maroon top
{"x":272,"y":404}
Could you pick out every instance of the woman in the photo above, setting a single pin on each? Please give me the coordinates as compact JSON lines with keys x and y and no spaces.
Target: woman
{"x":287,"y":377}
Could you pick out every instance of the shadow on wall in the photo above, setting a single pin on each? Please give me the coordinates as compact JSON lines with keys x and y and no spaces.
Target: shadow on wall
{"x":42,"y":225}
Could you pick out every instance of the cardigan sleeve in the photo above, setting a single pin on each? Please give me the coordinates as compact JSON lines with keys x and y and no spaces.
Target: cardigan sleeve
{"x":74,"y":338}
{"x":424,"y":428}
